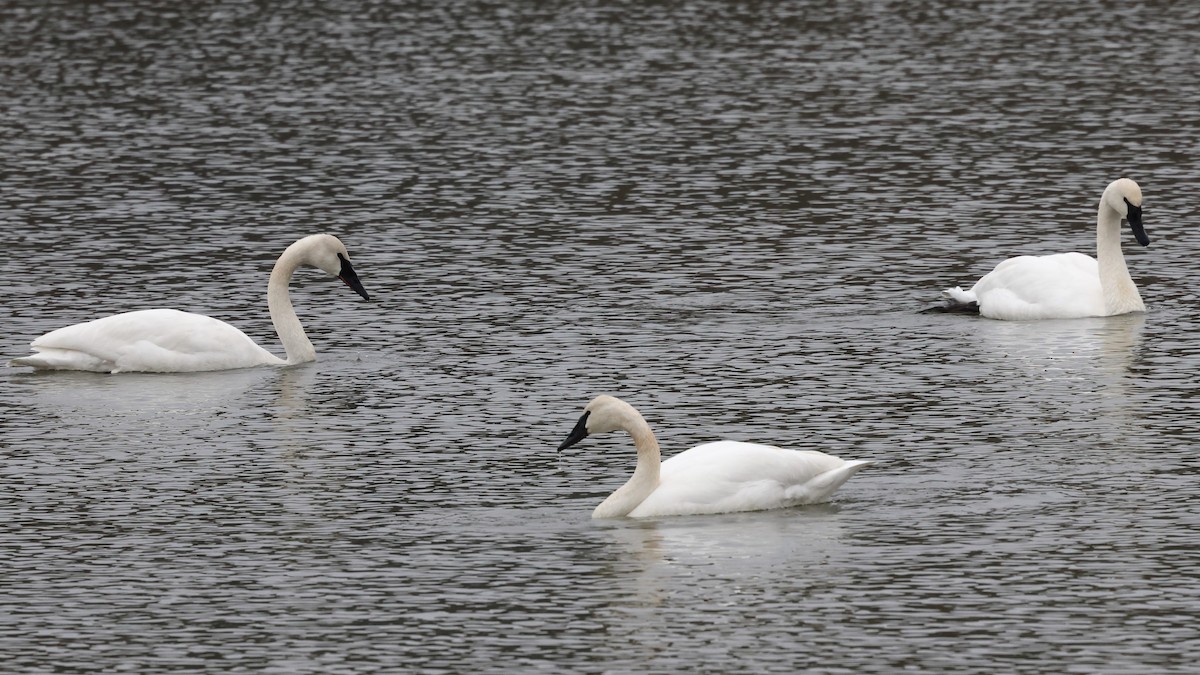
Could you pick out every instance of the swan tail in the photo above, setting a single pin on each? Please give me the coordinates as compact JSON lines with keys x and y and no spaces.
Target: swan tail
{"x":63,"y":359}
{"x":822,"y":486}
{"x":956,"y":301}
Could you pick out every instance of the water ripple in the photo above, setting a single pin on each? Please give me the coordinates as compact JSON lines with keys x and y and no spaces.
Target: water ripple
{"x":727,"y":214}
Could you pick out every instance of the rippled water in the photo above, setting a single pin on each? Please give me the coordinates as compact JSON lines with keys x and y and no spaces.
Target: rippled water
{"x":729,"y":215}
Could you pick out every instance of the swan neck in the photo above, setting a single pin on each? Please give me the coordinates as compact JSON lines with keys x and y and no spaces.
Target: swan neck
{"x":1120,"y":293}
{"x":283,"y":315}
{"x":645,"y":477}
{"x":649,"y":456}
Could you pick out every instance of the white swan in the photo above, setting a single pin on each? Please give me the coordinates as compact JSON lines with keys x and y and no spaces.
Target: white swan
{"x":1066,"y":285}
{"x":720,"y":477}
{"x":170,"y":341}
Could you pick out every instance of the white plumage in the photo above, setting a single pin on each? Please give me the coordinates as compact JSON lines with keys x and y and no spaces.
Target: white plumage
{"x":720,"y":477}
{"x":1067,"y":285}
{"x":168,"y":340}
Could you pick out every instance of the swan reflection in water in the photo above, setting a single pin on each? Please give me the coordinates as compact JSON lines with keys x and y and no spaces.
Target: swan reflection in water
{"x":707,"y":561}
{"x":1079,"y":348}
{"x":1074,"y":375}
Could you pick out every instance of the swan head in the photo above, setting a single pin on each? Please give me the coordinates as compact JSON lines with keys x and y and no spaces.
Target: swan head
{"x":603,"y":413}
{"x":328,"y":254}
{"x":1125,"y":197}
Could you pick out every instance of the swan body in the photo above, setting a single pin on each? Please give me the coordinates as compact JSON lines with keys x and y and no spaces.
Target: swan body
{"x":720,"y":477}
{"x":1066,"y":285}
{"x":171,"y":341}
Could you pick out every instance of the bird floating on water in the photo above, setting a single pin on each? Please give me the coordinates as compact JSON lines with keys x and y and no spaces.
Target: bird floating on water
{"x":1065,"y":285}
{"x":169,"y":341}
{"x":720,"y":477}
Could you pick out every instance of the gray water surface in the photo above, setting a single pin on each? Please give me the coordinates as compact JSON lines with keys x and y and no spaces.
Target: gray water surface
{"x":729,"y":215}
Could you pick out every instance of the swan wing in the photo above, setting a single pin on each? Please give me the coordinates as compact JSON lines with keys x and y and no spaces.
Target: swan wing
{"x":153,"y":340}
{"x":1061,"y":286}
{"x":730,"y":476}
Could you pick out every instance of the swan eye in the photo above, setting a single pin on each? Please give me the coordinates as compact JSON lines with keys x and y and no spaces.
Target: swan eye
{"x":1132,"y":212}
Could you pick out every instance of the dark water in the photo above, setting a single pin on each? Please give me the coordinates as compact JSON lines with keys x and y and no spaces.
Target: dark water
{"x":728,"y":214}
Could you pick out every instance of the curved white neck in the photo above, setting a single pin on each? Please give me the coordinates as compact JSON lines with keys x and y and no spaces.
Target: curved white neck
{"x":645,"y":476}
{"x":279,"y":301}
{"x":1120,"y":293}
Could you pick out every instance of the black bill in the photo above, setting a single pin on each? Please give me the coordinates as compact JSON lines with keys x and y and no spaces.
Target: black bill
{"x":348,"y":275}
{"x":1134,"y":216}
{"x":577,"y":434}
